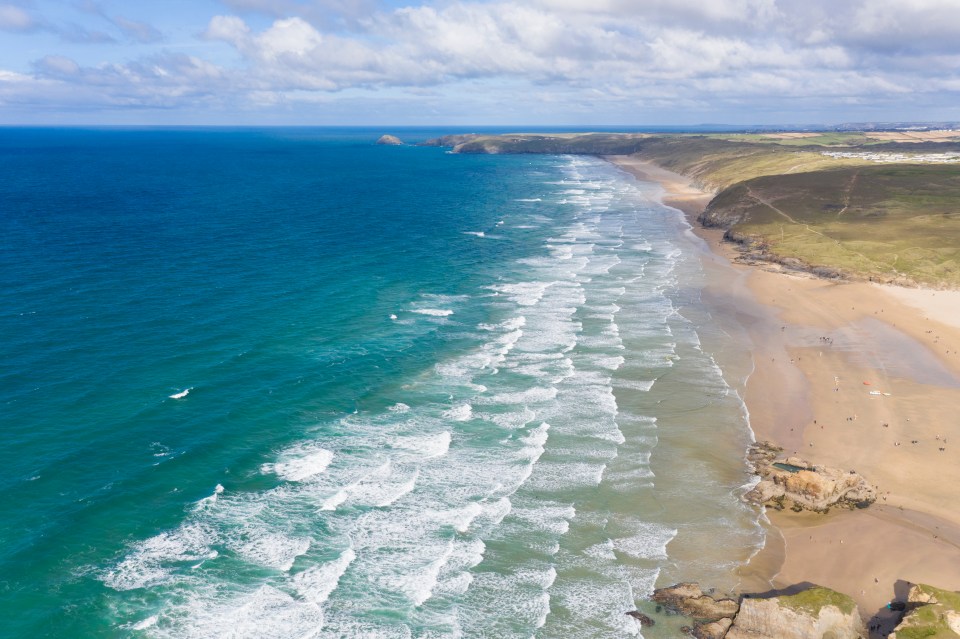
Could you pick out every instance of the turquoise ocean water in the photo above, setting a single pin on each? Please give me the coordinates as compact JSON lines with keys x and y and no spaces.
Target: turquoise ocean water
{"x":287,"y":383}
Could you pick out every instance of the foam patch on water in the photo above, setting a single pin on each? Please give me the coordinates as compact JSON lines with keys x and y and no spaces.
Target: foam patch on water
{"x":461,"y":413}
{"x":316,"y":583}
{"x":433,"y":312}
{"x":649,"y":541}
{"x":602,"y":602}
{"x":270,"y":549}
{"x":212,"y":499}
{"x":152,"y":562}
{"x":511,"y":420}
{"x":418,"y":585}
{"x":427,"y":446}
{"x":530,"y":396}
{"x":523,"y":293}
{"x":266,"y":613}
{"x":634,"y":384}
{"x":300,"y":463}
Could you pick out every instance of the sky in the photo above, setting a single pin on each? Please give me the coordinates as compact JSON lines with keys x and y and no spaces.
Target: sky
{"x":476,"y":62}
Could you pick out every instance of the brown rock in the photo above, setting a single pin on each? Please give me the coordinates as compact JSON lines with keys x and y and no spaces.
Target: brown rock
{"x":687,"y":599}
{"x":807,"y":486}
{"x":644,"y":620}
{"x":713,"y":630}
{"x":390,"y":140}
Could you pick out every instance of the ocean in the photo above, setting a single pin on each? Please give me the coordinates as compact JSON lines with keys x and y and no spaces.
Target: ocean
{"x":288,"y":383}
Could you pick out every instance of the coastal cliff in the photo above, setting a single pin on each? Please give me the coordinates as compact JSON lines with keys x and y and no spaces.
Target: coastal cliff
{"x":812,"y":613}
{"x":837,"y":206}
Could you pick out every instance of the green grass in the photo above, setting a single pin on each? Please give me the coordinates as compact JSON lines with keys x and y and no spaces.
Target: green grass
{"x":928,"y":621}
{"x":812,"y":600}
{"x":886,"y":222}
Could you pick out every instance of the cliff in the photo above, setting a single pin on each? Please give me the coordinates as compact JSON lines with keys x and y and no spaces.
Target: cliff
{"x":813,"y":613}
{"x":932,"y":613}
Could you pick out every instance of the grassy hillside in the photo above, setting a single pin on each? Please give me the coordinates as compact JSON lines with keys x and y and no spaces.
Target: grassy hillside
{"x":897,"y":223}
{"x":785,"y":200}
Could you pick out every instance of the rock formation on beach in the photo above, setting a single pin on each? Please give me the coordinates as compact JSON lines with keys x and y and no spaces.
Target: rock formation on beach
{"x":390,"y":140}
{"x":814,"y":613}
{"x":817,"y":613}
{"x":712,"y":617}
{"x":931,"y":612}
{"x":796,"y":483}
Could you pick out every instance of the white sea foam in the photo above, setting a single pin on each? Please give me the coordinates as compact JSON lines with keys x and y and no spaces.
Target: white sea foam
{"x":418,"y":584}
{"x":266,"y":613}
{"x":602,"y":551}
{"x":634,"y":384}
{"x":433,"y":312}
{"x":317,"y":582}
{"x":151,"y":562}
{"x":399,"y":407}
{"x":389,"y":494}
{"x":511,"y":324}
{"x":511,"y":420}
{"x":259,"y":545}
{"x":146,"y":623}
{"x":181,"y":394}
{"x":212,"y":499}
{"x":523,"y":293}
{"x":529,"y":396}
{"x":529,"y":199}
{"x":426,"y":445}
{"x":300,"y":463}
{"x":461,"y":518}
{"x":476,"y":233}
{"x":461,"y":413}
{"x":649,"y":542}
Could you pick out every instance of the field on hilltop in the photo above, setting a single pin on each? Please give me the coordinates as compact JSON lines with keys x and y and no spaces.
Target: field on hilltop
{"x":880,"y":205}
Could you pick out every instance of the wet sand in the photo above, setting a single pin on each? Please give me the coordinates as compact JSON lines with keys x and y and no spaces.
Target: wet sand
{"x":853,"y":375}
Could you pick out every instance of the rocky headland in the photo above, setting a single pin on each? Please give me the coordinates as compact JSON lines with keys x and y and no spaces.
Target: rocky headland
{"x":810,"y":612}
{"x":795,"y":483}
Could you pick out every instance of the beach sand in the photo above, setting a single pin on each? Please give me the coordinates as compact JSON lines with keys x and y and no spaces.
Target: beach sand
{"x":853,"y":375}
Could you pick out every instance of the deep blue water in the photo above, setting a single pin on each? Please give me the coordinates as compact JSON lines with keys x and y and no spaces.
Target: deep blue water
{"x":364,"y":331}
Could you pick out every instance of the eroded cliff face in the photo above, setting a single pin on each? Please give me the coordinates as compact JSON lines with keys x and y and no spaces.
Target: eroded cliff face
{"x":817,"y":613}
{"x":931,"y":612}
{"x":814,"y":613}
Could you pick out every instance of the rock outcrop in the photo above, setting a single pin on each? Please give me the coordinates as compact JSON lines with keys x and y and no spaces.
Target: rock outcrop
{"x":390,"y":140}
{"x":931,"y":612}
{"x":712,"y":617}
{"x":688,"y":600}
{"x":796,"y":483}
{"x":817,"y":613}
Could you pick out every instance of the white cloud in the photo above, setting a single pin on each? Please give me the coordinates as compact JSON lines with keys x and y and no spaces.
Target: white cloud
{"x":577,"y":55}
{"x":14,"y":18}
{"x":139,"y":31}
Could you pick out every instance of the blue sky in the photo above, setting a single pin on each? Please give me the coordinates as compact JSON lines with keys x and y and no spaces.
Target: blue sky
{"x":474,"y":62}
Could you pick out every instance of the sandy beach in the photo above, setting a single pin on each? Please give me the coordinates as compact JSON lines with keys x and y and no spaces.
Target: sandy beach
{"x":852,"y":375}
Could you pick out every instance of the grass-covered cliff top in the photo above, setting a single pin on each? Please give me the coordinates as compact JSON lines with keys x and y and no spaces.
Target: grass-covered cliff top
{"x":938,"y":619}
{"x":813,"y":599}
{"x":879,"y":205}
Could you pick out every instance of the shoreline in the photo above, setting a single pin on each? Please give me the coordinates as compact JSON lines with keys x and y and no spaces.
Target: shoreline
{"x":818,"y":348}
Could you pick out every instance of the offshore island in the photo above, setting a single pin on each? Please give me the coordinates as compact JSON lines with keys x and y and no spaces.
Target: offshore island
{"x":839,"y":253}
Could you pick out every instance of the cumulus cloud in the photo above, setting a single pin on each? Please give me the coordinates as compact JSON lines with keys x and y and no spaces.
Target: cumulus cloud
{"x":599,"y":55}
{"x":139,"y":31}
{"x":15,"y":18}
